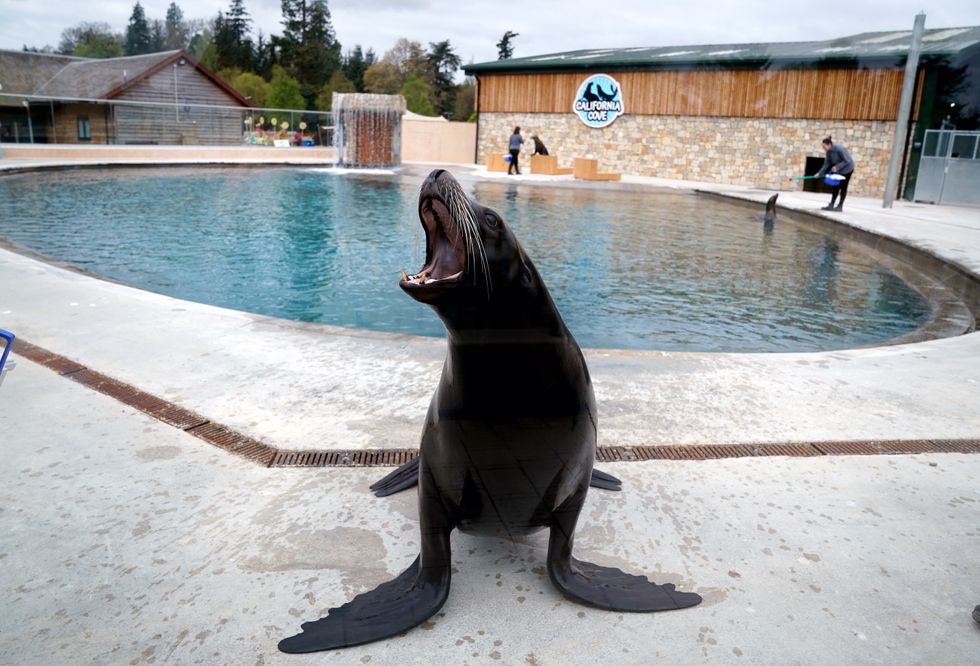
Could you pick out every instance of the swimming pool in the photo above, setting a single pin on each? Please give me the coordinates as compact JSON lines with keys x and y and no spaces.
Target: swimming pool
{"x":627,"y":269}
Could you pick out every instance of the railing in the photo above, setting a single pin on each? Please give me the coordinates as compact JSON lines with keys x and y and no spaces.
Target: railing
{"x":40,"y":119}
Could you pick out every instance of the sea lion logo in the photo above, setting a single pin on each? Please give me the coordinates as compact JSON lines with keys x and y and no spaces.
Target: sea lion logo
{"x":599,"y":100}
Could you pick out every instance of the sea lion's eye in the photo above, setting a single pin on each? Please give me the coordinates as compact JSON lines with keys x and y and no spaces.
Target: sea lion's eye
{"x":492,"y":220}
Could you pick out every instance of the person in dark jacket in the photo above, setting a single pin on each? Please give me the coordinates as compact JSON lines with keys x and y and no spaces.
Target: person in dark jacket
{"x":838,"y":161}
{"x":515,"y":149}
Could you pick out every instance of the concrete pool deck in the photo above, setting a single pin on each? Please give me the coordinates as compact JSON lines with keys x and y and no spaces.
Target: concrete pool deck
{"x":128,"y":540}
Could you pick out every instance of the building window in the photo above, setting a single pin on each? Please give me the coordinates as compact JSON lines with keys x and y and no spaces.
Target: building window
{"x":84,"y":129}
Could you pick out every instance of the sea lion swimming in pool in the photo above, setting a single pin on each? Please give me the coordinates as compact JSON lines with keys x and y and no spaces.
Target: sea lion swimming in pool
{"x":509,"y":439}
{"x":770,"y":216}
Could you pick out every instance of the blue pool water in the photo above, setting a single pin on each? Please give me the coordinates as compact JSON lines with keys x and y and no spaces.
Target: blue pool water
{"x":640,"y":270}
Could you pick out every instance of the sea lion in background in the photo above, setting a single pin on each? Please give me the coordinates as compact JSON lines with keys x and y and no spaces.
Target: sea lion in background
{"x":769,"y":219}
{"x":510,"y":435}
{"x":539,"y":148}
{"x":770,"y":216}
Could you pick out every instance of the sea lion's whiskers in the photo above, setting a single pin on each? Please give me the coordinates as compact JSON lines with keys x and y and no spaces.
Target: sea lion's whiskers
{"x":462,"y":215}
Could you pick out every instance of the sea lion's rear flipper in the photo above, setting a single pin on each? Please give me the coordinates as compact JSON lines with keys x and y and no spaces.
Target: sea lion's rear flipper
{"x":385,"y":611}
{"x":407,"y":476}
{"x":604,"y":587}
{"x":392,"y":607}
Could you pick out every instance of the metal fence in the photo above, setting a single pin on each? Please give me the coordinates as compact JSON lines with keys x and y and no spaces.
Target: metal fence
{"x":34,"y":119}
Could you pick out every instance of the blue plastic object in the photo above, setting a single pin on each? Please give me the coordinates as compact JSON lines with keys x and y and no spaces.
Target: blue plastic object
{"x":833,"y":179}
{"x":9,"y":337}
{"x":508,"y":158}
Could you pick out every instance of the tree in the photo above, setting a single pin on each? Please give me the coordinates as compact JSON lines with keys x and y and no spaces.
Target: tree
{"x":443,"y":63}
{"x":158,"y":36}
{"x":338,"y":83}
{"x":175,"y":29}
{"x":505,"y":50}
{"x":355,"y":64}
{"x":465,"y":100}
{"x":284,"y":91}
{"x":383,"y":78}
{"x":201,"y":45}
{"x":417,"y":96}
{"x":265,"y":57}
{"x":232,"y":38}
{"x":409,"y":58}
{"x":91,"y":40}
{"x":252,"y":87}
{"x":238,"y":25}
{"x":137,"y":32}
{"x":308,"y":45}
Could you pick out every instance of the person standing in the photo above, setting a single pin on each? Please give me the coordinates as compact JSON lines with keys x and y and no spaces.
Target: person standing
{"x":838,"y":161}
{"x":515,"y":150}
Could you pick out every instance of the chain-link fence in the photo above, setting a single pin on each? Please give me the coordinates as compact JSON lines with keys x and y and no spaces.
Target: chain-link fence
{"x":33,"y":119}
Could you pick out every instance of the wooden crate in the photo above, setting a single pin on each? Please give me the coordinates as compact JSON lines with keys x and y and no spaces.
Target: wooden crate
{"x":548,"y":165}
{"x":586,"y":169}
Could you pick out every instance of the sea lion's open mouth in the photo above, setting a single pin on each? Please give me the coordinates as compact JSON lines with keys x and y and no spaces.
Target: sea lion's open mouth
{"x":445,"y":249}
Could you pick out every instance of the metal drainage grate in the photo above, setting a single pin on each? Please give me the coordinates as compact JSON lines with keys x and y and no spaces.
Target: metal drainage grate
{"x":703,"y":452}
{"x":160,"y":409}
{"x":234,"y":442}
{"x":269,"y":456}
{"x":366,"y":458}
{"x":49,"y":360}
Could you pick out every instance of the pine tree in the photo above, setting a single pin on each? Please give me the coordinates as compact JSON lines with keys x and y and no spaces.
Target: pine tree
{"x":174,"y":28}
{"x":137,"y":32}
{"x":504,"y":48}
{"x":355,"y":64}
{"x":308,"y":44}
{"x":238,"y":24}
{"x":443,"y":63}
{"x":158,"y":36}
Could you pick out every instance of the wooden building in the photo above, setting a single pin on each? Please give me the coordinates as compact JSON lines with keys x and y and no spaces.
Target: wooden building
{"x":157,"y":98}
{"x":751,"y":114}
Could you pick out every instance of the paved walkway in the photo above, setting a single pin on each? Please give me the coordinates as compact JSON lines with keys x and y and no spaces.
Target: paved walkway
{"x":125,"y":540}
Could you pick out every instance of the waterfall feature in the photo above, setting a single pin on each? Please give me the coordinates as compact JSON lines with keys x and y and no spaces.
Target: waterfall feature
{"x":367,"y":129}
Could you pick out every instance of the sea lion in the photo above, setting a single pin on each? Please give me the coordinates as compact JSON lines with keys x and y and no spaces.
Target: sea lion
{"x":509,"y":439}
{"x":539,"y":147}
{"x":770,"y":216}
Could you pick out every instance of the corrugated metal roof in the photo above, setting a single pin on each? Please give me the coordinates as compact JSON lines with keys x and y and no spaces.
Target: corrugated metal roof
{"x":867,"y":46}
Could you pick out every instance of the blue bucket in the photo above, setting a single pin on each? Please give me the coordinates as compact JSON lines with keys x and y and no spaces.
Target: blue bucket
{"x":833,"y":179}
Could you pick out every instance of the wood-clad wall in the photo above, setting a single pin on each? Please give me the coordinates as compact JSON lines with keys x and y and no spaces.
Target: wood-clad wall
{"x":185,"y":123}
{"x":853,"y":94}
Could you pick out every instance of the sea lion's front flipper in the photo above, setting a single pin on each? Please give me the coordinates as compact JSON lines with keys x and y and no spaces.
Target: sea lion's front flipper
{"x":407,"y":476}
{"x":605,"y":481}
{"x":392,"y":607}
{"x":401,"y":479}
{"x":604,"y":587}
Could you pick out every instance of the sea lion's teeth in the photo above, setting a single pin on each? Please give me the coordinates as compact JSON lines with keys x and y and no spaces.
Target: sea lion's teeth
{"x":404,"y":276}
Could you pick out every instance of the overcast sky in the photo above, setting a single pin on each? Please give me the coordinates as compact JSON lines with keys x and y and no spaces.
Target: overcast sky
{"x":474,"y":28}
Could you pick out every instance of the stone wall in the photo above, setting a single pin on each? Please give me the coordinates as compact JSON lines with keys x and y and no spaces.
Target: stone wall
{"x":757,"y":152}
